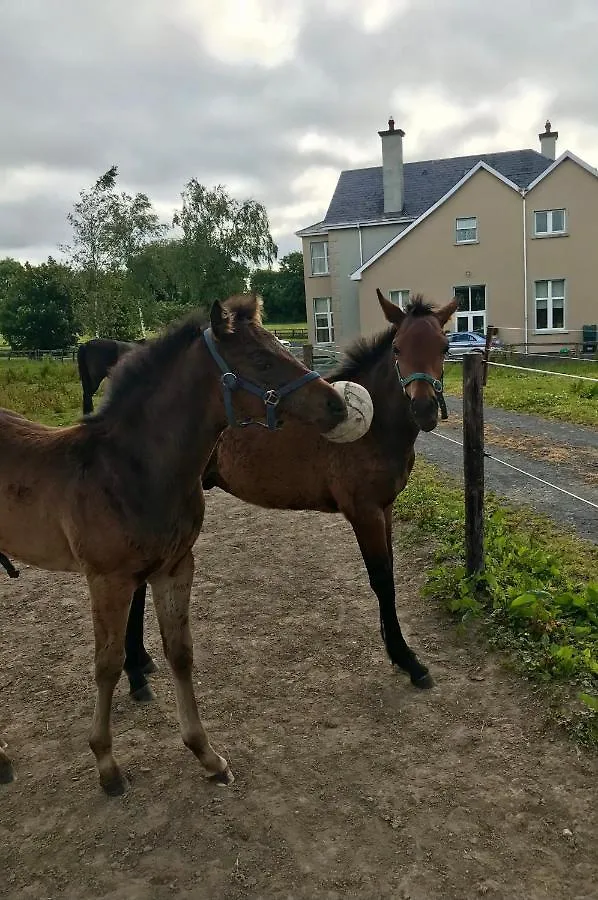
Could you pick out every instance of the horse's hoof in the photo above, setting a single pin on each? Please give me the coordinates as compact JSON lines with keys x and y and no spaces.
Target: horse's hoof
{"x":143,"y":694}
{"x":115,"y":786}
{"x":224,"y":778}
{"x":424,"y":682}
{"x":7,"y":773}
{"x":149,"y":667}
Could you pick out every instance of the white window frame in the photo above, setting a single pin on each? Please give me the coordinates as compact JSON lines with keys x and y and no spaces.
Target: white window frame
{"x":323,"y":258}
{"x":460,"y":229}
{"x":549,"y":306}
{"x":470,"y":313}
{"x":326,"y":320}
{"x":400,"y":297}
{"x":550,"y":231}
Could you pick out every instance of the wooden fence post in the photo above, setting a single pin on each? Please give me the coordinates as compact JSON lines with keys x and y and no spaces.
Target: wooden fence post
{"x":308,"y":355}
{"x":473,"y":460}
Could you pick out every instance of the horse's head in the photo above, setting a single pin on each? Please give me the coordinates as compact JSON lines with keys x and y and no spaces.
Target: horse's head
{"x":260,"y":377}
{"x":419,"y":348}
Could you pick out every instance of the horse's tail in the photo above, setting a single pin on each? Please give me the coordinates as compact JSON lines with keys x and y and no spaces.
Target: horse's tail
{"x":85,"y":379}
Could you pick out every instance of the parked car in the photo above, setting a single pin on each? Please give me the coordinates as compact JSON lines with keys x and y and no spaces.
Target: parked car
{"x":461,"y":342}
{"x":283,"y":341}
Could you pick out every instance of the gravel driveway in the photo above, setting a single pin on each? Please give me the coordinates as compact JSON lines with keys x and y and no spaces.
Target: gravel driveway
{"x":564,"y":454}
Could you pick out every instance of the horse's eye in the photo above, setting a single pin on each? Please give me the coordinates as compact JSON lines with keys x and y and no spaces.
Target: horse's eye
{"x":395,"y":350}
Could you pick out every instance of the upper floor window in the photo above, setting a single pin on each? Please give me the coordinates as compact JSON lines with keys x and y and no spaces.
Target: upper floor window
{"x":550,"y":304}
{"x":401,"y":298}
{"x":466,"y":230}
{"x":549,"y":221}
{"x":319,"y":257}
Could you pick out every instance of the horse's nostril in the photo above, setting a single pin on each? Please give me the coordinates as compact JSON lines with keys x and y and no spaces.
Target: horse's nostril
{"x":336,"y":405}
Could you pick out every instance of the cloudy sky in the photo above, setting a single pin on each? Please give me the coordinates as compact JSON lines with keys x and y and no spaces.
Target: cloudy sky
{"x":271,"y":97}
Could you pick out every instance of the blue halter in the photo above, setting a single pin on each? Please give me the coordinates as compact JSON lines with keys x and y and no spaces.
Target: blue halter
{"x":271,"y":397}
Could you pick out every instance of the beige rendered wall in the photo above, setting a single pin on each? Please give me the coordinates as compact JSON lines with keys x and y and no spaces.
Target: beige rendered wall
{"x":427,"y":260}
{"x":573,"y":256}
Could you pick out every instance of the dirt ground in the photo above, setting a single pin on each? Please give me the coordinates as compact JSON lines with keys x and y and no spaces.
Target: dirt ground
{"x":349,"y":782}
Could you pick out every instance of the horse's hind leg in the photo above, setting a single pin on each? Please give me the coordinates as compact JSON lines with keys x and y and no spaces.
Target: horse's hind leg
{"x":373,"y":530}
{"x":110,"y":601}
{"x":7,"y":773}
{"x":171,"y":599}
{"x":138,"y":662}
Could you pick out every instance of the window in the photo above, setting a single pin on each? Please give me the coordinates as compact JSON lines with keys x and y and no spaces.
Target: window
{"x":550,"y":304}
{"x":401,"y":298}
{"x":471,"y":312}
{"x":549,"y":221}
{"x":323,"y":320}
{"x":466,"y":230}
{"x":319,"y":257}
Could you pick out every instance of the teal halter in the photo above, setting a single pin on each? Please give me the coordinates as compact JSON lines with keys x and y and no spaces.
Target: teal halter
{"x":436,"y":383}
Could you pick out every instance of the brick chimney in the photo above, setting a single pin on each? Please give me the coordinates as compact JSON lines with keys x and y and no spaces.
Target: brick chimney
{"x":548,"y":142}
{"x":392,"y":167}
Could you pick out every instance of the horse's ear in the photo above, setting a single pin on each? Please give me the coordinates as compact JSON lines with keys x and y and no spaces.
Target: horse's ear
{"x":256,"y":308}
{"x":444,"y":314}
{"x":392,"y":312}
{"x":221,"y":320}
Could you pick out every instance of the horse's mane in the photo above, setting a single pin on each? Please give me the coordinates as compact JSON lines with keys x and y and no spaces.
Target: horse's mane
{"x":365,"y":352}
{"x":145,"y":363}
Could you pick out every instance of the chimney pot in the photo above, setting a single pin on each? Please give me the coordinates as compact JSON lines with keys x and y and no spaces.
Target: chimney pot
{"x":391,"y":124}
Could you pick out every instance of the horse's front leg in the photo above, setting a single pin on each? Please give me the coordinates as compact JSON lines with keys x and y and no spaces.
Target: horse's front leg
{"x":373,"y":530}
{"x":138,"y":662}
{"x":171,"y":593}
{"x":110,"y":602}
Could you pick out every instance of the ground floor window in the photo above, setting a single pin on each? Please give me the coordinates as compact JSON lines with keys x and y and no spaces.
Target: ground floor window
{"x":323,"y":320}
{"x":401,"y":298}
{"x":471,"y":312}
{"x":550,"y":304}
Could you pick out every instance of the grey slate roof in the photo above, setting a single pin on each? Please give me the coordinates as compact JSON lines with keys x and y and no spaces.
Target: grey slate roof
{"x":358,"y":196}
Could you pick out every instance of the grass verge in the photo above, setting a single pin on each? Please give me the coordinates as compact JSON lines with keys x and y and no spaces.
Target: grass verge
{"x":565,"y":399}
{"x":48,"y":391}
{"x":538,"y":599}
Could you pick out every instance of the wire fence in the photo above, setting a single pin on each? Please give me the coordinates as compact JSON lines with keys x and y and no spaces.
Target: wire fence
{"x":330,"y":357}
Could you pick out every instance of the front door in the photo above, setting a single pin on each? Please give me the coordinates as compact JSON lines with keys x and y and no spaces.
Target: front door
{"x":471,"y":313}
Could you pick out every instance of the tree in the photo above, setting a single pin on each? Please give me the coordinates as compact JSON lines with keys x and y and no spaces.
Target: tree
{"x":39,"y":310}
{"x":10,"y":269}
{"x":108,"y":230}
{"x":221,"y":239}
{"x":239,"y":231}
{"x":283,"y":290}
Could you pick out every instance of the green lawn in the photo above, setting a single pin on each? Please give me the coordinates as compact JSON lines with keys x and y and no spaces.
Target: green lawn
{"x":48,"y":391}
{"x":566,"y":399}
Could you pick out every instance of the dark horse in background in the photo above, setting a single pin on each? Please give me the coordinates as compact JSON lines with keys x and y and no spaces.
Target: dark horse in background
{"x":402,"y":368}
{"x":95,"y":359}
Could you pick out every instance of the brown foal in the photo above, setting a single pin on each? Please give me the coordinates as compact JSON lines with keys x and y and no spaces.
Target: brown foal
{"x":118,"y":496}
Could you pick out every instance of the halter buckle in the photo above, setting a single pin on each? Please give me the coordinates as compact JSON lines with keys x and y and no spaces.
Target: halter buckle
{"x":271,"y":398}
{"x":229,"y":381}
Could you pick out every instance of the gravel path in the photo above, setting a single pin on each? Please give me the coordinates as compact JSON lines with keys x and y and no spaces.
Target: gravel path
{"x":575,"y":447}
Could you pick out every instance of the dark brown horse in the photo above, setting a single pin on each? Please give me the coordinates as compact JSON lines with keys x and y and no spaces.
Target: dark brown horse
{"x":402,"y":369}
{"x":95,"y":360}
{"x":118,"y":497}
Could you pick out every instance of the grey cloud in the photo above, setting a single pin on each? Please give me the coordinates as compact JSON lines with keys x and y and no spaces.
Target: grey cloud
{"x":127,"y":83}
